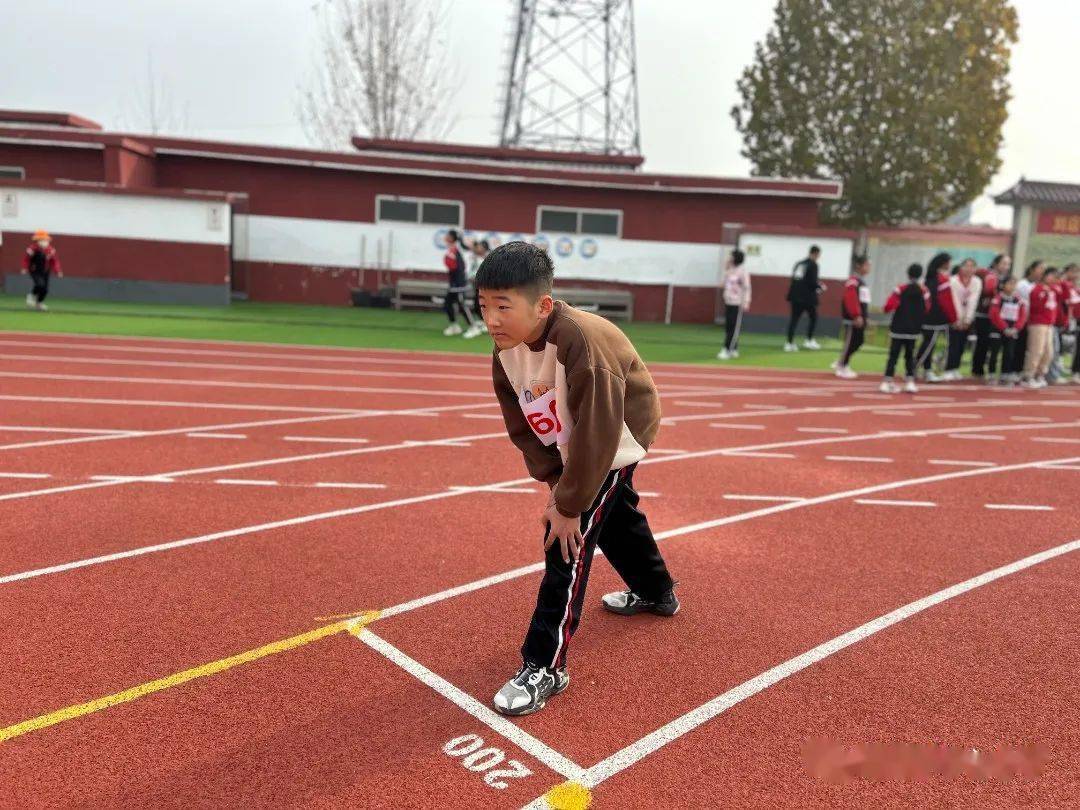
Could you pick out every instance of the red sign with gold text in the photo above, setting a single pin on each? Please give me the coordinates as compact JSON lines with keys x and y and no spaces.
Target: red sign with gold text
{"x":1065,"y":223}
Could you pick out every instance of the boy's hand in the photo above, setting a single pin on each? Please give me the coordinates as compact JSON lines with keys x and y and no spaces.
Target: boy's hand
{"x":567,"y":530}
{"x":859,"y":322}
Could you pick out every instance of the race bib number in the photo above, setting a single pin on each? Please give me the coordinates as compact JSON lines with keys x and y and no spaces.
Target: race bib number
{"x":543,"y":417}
{"x":864,"y":295}
{"x":1010,"y":312}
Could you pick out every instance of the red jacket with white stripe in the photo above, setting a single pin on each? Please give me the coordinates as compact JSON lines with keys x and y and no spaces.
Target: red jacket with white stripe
{"x":1044,"y":305}
{"x":1008,"y":312}
{"x":856,"y":299}
{"x":41,"y":260}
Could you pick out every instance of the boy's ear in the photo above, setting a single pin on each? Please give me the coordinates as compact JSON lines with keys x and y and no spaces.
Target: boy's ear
{"x":546,"y":304}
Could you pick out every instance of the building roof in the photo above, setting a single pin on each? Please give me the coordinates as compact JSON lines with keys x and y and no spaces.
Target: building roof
{"x":491,"y":164}
{"x":47,"y":119}
{"x":1038,"y":192}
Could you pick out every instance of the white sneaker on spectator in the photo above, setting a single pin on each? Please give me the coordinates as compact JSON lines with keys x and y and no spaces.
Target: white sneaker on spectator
{"x":1076,"y":378}
{"x":30,"y":300}
{"x":473,"y":331}
{"x":934,"y":377}
{"x":834,"y":365}
{"x":452,"y":329}
{"x":889,"y":387}
{"x":845,"y":373}
{"x":811,"y":344}
{"x":724,"y":355}
{"x":790,"y":347}
{"x":910,"y":387}
{"x":735,"y":353}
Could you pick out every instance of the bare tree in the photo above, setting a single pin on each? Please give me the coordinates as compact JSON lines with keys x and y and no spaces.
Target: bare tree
{"x":382,"y":69}
{"x":154,"y":108}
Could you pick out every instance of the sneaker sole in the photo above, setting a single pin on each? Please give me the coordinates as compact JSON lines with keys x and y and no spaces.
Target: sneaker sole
{"x":532,"y":709}
{"x":635,"y":612}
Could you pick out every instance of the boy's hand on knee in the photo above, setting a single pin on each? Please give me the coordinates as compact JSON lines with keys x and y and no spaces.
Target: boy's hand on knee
{"x":567,"y":530}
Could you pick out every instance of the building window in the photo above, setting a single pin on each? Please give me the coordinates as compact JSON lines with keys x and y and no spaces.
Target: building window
{"x":579,"y":220}
{"x":12,"y":172}
{"x":419,"y":211}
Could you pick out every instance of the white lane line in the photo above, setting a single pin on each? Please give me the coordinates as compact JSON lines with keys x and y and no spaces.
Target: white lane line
{"x":649,"y":494}
{"x":881,"y":502}
{"x":977,"y":436}
{"x":159,"y":363}
{"x":893,"y":413}
{"x":1060,"y":467}
{"x":754,"y":454}
{"x":338,"y":389}
{"x":216,"y":435}
{"x":753,"y":406}
{"x":947,"y":462}
{"x":169,"y":403}
{"x":347,"y":485}
{"x":866,"y":459}
{"x":666,"y":451}
{"x":688,"y":404}
{"x":1052,"y":440}
{"x":500,"y":725}
{"x":439,"y":443}
{"x":134,"y":479}
{"x":1020,"y":507}
{"x":736,"y":426}
{"x":872,"y":396}
{"x":650,"y":743}
{"x":41,"y":429}
{"x":24,"y":475}
{"x":492,"y":488}
{"x":482,"y":416}
{"x":246,"y":482}
{"x":837,"y":431}
{"x":1031,"y":419}
{"x":924,"y":398}
{"x":959,"y":416}
{"x":326,"y":439}
{"x":778,"y":498}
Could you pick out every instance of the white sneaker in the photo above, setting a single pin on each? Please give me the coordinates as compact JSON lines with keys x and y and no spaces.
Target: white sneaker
{"x":43,"y":308}
{"x":790,"y":347}
{"x":910,"y":387}
{"x":811,"y":344}
{"x":452,"y":329}
{"x":834,"y":365}
{"x":934,"y":377}
{"x":889,"y":387}
{"x":724,"y":355}
{"x":845,"y":373}
{"x":472,"y":331}
{"x":1076,"y":379}
{"x":735,"y":353}
{"x":30,"y":300}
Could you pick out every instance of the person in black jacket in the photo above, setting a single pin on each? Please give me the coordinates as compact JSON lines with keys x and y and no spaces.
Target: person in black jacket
{"x":803,"y":297}
{"x":909,"y":304}
{"x":940,"y":316}
{"x":457,"y":287}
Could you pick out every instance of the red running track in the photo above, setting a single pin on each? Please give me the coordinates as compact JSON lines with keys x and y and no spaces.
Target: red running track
{"x":793,"y":510}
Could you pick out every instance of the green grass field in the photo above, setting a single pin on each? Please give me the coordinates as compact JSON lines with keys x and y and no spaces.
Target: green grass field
{"x":387,"y":329}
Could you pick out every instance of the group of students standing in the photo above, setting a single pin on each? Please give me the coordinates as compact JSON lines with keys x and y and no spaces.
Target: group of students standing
{"x":460,"y":271}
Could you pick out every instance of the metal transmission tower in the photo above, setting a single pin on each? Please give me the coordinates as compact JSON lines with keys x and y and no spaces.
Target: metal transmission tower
{"x":572,"y":78}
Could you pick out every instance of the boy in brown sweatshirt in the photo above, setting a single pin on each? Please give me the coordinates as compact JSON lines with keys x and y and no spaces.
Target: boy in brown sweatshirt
{"x":582,"y":408}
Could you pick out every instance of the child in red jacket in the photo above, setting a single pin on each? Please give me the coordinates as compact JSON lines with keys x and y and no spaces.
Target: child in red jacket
{"x":1044,"y":314}
{"x":40,"y":261}
{"x":1008,"y":316}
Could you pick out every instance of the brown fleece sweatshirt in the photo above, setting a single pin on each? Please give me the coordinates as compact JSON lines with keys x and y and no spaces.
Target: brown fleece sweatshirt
{"x":578,"y":403}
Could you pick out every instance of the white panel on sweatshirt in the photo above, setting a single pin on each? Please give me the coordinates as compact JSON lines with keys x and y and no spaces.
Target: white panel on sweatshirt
{"x":117,"y":216}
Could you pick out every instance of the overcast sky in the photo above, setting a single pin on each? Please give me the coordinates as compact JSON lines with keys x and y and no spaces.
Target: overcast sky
{"x":235,"y":66}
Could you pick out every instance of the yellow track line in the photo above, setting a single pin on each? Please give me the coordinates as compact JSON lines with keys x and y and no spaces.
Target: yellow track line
{"x":353,"y":625}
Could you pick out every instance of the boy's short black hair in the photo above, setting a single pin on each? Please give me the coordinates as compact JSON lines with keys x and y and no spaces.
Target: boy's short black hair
{"x":1009,"y":279}
{"x":815,"y":249}
{"x":453,"y":234}
{"x":737,"y":257}
{"x":517,"y":266}
{"x":860,"y":259}
{"x":1050,"y":271}
{"x":914,"y":271}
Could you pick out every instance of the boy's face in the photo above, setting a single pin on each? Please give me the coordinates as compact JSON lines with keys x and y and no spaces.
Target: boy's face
{"x":43,"y":243}
{"x":863,"y":269}
{"x":1009,"y":286}
{"x":513,"y":317}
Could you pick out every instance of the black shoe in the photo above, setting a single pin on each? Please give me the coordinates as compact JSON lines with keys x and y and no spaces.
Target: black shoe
{"x":528,"y":691}
{"x":628,"y":603}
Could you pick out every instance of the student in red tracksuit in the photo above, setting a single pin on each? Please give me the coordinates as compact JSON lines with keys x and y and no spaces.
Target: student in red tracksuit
{"x":941,"y":316}
{"x":854,"y":308}
{"x":1000,"y":268}
{"x":40,"y":261}
{"x":1044,"y":314}
{"x":1072,"y":305}
{"x":1007,"y":316}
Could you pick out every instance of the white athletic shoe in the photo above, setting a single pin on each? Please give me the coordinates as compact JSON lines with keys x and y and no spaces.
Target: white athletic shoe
{"x":42,"y":308}
{"x":834,"y":365}
{"x":845,"y":373}
{"x":790,"y":347}
{"x":811,"y":344}
{"x":889,"y":387}
{"x":1076,"y":379}
{"x":910,"y":387}
{"x":452,"y":329}
{"x":934,"y":377}
{"x":30,"y":300}
{"x":724,"y":355}
{"x":1032,"y":384}
{"x":473,"y":331}
{"x":735,"y":353}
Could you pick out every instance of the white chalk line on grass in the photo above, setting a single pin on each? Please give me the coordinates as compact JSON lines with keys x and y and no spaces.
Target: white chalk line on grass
{"x":158,"y":547}
{"x":650,"y":743}
{"x":540,"y":751}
